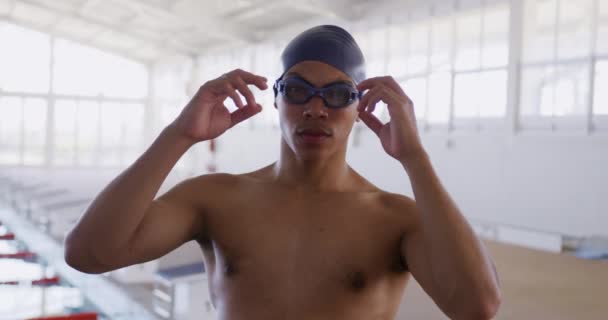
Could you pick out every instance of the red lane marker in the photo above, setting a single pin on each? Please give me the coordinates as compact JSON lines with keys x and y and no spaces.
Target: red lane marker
{"x":18,"y":255}
{"x":7,"y":236}
{"x":76,"y":316}
{"x":46,"y":281}
{"x":39,"y":282}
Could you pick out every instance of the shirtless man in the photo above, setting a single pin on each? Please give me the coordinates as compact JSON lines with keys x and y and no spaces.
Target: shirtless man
{"x":306,"y":237}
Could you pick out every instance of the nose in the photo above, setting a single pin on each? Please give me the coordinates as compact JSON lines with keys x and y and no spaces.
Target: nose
{"x":315,"y":109}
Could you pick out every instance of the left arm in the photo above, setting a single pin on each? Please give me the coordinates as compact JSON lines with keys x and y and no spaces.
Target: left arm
{"x":442,"y":251}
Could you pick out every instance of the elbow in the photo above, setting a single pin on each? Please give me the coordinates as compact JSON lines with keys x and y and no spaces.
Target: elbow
{"x":486,"y":308}
{"x":476,"y":307}
{"x":487,"y":311}
{"x":79,"y":258}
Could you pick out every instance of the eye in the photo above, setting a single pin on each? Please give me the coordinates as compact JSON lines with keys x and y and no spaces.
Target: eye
{"x":296,"y":90}
{"x":338,"y":94}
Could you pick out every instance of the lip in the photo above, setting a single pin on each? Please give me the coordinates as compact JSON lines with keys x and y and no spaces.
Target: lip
{"x":313,"y":135}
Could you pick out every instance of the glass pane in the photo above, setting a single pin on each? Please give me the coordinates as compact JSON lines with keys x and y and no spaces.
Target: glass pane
{"x":133,"y":126}
{"x":480,"y":94}
{"x":602,"y":34}
{"x":24,"y":59}
{"x":88,"y":128}
{"x":417,"y":59}
{"x":416,"y":89}
{"x":575,"y":18}
{"x":495,"y":51}
{"x":34,"y":112}
{"x":83,"y":70}
{"x":10,"y":130}
{"x":121,"y":132}
{"x":468,"y":44}
{"x":376,"y":54}
{"x":493,"y":94}
{"x":113,"y":133}
{"x":441,"y":44}
{"x":571,"y":90}
{"x":397,"y":61}
{"x":168,"y":113}
{"x":539,"y":30}
{"x":600,"y":99}
{"x":466,"y":95}
{"x":536,"y":91}
{"x":65,"y":132}
{"x":439,"y":98}
{"x":561,"y":91}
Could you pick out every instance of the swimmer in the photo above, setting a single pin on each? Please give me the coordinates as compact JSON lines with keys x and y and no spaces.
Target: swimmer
{"x":306,"y":237}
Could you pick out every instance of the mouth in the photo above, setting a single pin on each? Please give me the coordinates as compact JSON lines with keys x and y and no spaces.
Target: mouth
{"x":314,"y":135}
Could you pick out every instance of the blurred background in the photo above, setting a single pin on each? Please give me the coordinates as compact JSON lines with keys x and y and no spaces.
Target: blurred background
{"x":510,"y":97}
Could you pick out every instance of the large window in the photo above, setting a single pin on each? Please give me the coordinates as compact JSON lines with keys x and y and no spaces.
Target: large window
{"x":557,"y":50}
{"x":600,"y":105}
{"x":34,"y":130}
{"x":11,"y":130}
{"x":95,"y":100}
{"x":600,"y":97}
{"x":444,"y":57}
{"x":22,"y":130}
{"x":480,"y":63}
{"x":24,"y":60}
{"x":80,"y":70}
{"x":121,"y":132}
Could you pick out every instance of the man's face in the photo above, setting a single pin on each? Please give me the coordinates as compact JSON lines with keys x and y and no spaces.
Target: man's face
{"x":312,"y":128}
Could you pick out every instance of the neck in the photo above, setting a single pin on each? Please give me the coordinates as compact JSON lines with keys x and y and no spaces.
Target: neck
{"x":325,"y":172}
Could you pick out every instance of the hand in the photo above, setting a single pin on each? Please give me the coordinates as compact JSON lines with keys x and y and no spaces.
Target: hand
{"x":399,"y":137}
{"x":206,"y":117}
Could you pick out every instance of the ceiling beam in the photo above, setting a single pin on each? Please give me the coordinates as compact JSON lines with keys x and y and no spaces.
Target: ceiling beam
{"x":41,"y":29}
{"x":177,"y":46}
{"x":204,"y":24}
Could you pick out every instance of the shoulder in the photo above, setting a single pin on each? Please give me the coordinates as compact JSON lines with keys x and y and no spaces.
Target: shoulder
{"x":206,"y":187}
{"x":395,"y":201}
{"x":399,"y":206}
{"x":214,"y":181}
{"x":217,"y":186}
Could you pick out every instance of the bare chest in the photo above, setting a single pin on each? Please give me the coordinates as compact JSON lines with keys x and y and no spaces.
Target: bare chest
{"x":304,"y":246}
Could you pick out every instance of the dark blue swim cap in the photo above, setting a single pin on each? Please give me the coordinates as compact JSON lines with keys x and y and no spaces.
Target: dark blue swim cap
{"x":328,"y":44}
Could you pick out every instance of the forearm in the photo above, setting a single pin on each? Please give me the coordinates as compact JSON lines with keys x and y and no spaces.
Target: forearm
{"x":461,"y":268}
{"x":115,"y":213}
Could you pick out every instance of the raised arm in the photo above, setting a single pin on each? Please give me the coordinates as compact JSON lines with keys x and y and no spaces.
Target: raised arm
{"x":124,"y":225}
{"x":442,"y":251}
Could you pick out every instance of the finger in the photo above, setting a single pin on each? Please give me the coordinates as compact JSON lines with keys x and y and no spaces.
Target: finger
{"x":368,"y":84}
{"x":243,"y":114}
{"x":363,"y":103}
{"x":231,"y":92}
{"x":371,"y":121}
{"x":250,"y":78}
{"x":373,"y":100}
{"x":241,"y":86}
{"x":222,"y":87}
{"x":376,"y":96}
{"x":392,"y":83}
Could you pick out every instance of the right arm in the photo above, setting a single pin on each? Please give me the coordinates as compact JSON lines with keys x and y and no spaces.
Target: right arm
{"x":110,"y":232}
{"x":124,"y":225}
